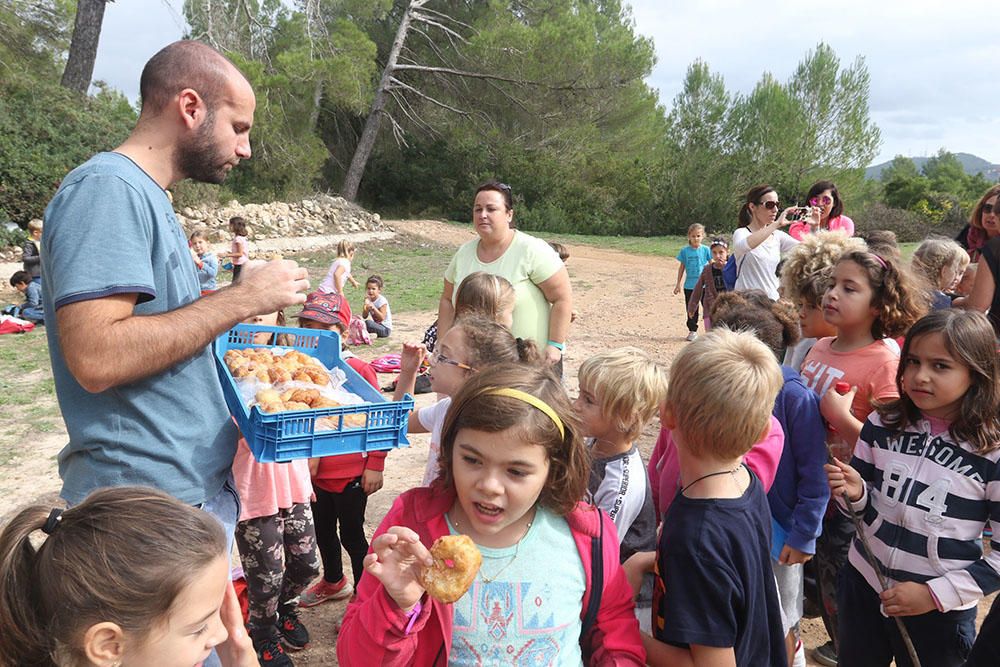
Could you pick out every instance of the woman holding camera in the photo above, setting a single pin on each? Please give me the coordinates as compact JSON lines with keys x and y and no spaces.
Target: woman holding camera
{"x":759,"y":242}
{"x":827,"y":212}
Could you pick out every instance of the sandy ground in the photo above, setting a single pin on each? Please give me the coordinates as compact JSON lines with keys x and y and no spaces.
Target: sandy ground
{"x":620,"y":299}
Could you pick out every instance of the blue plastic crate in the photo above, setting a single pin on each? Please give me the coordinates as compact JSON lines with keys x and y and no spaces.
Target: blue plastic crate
{"x":285,"y":436}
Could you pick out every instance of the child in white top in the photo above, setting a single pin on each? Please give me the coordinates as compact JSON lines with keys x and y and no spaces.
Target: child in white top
{"x":620,"y":391}
{"x":470,"y":345}
{"x":340,"y":270}
{"x":376,"y":312}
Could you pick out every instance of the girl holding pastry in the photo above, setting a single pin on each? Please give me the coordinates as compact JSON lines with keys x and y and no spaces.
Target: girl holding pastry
{"x":513,"y":471}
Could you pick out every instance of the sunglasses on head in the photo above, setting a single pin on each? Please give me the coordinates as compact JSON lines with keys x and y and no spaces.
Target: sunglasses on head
{"x":771,"y":205}
{"x":821,"y":201}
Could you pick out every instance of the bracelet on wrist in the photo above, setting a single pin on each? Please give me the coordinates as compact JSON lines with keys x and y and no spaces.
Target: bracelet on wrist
{"x":559,"y":346}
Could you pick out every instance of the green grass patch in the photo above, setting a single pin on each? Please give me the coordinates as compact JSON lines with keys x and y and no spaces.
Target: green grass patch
{"x":27,"y":393}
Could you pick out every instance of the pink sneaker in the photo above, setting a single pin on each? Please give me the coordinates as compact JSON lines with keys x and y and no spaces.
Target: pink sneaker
{"x":323,"y":591}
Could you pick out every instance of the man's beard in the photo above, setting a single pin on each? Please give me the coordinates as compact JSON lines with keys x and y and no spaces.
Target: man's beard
{"x":199,"y":158}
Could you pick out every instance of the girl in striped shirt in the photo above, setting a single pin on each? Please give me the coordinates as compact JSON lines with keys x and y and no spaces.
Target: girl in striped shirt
{"x":925,"y":478}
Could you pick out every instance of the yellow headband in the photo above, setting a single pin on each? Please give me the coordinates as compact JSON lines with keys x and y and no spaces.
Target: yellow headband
{"x":530,"y":400}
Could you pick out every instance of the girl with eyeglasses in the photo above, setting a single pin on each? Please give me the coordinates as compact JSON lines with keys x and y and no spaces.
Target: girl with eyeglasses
{"x":827,"y":212}
{"x":470,"y":345}
{"x":759,"y":242}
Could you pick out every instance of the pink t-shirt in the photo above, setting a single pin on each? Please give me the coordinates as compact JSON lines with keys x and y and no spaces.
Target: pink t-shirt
{"x":872,"y":369}
{"x":665,"y":471}
{"x":239,"y":245}
{"x":265,"y":488}
{"x":798,"y":230}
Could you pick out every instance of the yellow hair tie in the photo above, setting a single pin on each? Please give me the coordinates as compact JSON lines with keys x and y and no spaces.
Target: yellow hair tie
{"x":530,"y":400}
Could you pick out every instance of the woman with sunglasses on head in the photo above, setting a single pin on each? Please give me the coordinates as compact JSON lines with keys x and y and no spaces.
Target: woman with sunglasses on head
{"x":543,"y":303}
{"x":827,"y":212}
{"x":759,"y":242}
{"x":984,"y":224}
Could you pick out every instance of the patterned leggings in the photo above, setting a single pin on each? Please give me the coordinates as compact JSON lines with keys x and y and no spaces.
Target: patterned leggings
{"x":280,"y":560}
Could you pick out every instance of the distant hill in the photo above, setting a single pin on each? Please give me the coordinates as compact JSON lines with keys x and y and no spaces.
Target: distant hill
{"x":973,"y":164}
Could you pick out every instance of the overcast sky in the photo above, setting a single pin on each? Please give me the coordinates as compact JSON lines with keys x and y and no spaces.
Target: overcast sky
{"x":935,"y":66}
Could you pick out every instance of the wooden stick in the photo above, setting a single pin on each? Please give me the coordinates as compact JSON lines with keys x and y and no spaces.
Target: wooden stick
{"x":869,"y":555}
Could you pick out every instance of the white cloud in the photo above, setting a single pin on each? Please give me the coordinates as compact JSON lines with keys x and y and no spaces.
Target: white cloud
{"x":932,"y":64}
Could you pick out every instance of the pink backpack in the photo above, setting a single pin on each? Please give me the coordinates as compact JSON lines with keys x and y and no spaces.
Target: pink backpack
{"x":357,"y":332}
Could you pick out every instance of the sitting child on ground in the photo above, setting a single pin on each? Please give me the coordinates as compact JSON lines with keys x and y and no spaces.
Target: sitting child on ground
{"x":620,"y":391}
{"x":716,"y":540}
{"x":376,"y":312}
{"x":32,"y":309}
{"x":205,"y":262}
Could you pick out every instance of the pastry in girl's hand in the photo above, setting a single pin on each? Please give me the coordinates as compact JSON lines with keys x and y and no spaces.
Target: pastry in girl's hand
{"x":456,"y":563}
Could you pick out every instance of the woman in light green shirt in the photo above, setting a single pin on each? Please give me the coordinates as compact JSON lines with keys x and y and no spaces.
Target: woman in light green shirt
{"x":543,"y":305}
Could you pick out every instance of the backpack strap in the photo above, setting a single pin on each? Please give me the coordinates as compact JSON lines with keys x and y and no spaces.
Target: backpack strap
{"x":596,"y":580}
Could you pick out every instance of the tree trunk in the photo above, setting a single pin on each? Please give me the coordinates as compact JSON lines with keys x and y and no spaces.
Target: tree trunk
{"x":367,"y":141}
{"x":83,"y":46}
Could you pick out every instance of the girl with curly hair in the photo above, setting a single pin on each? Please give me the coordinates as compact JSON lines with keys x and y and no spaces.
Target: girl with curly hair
{"x":871,"y":300}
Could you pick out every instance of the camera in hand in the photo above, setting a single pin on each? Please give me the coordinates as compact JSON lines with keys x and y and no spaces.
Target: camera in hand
{"x":797,"y":213}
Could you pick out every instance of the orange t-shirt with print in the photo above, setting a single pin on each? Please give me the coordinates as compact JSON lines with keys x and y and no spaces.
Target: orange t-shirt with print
{"x":872,"y":369}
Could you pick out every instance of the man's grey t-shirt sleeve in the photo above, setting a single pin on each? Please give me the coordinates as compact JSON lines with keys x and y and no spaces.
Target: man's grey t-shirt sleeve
{"x":98,"y":237}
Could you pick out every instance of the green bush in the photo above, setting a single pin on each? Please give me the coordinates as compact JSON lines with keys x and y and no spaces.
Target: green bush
{"x":907,"y":225}
{"x":11,"y":237}
{"x":46,"y":131}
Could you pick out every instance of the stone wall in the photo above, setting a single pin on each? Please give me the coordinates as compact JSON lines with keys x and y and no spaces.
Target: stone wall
{"x":321,"y":215}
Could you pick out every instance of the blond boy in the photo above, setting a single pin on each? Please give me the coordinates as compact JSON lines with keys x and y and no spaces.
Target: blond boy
{"x":716,"y":601}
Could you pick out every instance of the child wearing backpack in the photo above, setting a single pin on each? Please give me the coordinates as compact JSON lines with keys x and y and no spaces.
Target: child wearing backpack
{"x":711,"y":282}
{"x":925,"y":477}
{"x":620,"y":391}
{"x":513,"y":471}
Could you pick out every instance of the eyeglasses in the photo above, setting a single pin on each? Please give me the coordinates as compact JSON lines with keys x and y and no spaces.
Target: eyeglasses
{"x":717,"y":243}
{"x":821,"y":201}
{"x":503,"y":186}
{"x":771,"y":205}
{"x":439,"y":358}
{"x":988,"y":208}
